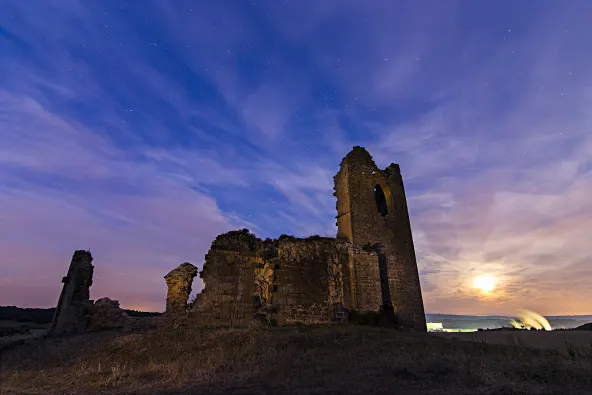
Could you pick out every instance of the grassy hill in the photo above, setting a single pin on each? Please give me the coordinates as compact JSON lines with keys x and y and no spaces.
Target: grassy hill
{"x":286,"y":360}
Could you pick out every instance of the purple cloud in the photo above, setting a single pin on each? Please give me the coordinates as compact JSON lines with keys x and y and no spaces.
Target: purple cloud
{"x":141,"y":132}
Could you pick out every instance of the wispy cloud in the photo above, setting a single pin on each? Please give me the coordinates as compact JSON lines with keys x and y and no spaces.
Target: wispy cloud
{"x":143,"y":131}
{"x":73,"y":190}
{"x":513,"y":179}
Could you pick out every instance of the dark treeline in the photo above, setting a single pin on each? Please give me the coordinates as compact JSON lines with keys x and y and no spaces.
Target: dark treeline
{"x":44,"y":316}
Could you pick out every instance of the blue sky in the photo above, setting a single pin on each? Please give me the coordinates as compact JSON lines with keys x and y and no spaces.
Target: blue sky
{"x":142,"y":129}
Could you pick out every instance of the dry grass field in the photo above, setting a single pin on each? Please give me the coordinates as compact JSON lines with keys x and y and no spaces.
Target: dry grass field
{"x":289,"y":360}
{"x":32,"y":331}
{"x":565,"y":341}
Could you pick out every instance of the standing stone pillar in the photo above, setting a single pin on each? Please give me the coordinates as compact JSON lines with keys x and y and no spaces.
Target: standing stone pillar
{"x":179,"y":283}
{"x":71,"y":314}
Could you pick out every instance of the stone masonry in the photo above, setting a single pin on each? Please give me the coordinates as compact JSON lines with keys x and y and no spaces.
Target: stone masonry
{"x":283,"y":281}
{"x":372,"y":210}
{"x":106,"y":314}
{"x":179,"y":283}
{"x":75,"y":312}
{"x":71,"y":314}
{"x":369,"y":267}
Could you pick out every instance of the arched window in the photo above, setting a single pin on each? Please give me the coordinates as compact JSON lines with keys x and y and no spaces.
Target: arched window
{"x":380,"y":198}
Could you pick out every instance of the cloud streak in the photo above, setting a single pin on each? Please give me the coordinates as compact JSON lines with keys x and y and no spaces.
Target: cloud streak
{"x":143,"y":131}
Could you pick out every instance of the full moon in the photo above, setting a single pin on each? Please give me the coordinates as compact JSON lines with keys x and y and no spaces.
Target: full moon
{"x":485,"y":283}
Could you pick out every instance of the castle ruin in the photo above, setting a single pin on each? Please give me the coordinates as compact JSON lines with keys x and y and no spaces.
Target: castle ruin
{"x":71,"y":313}
{"x":369,"y":267}
{"x":76,"y":312}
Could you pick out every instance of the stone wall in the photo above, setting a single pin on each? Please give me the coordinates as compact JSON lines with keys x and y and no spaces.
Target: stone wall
{"x":229,"y":287}
{"x":372,"y":210}
{"x":308,"y":286}
{"x":366,"y":280}
{"x":229,"y":277}
{"x":282,"y":281}
{"x":285,"y":281}
{"x":72,"y":310}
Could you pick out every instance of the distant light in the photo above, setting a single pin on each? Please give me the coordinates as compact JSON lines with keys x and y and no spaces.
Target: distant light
{"x":531,"y":320}
{"x":485,"y":283}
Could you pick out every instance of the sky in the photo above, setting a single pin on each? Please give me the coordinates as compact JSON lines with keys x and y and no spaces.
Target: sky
{"x":142,"y":129}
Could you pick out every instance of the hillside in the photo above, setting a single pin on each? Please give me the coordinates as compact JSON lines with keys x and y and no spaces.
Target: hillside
{"x":451,"y":321}
{"x":44,"y":316}
{"x":290,"y":360}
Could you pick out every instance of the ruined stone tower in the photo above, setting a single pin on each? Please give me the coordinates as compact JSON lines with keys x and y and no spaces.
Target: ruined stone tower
{"x":372,"y":211}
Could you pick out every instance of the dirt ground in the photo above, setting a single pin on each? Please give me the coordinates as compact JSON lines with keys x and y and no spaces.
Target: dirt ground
{"x":294,"y":360}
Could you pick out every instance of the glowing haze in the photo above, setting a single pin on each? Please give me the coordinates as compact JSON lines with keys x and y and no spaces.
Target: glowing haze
{"x":141,"y":130}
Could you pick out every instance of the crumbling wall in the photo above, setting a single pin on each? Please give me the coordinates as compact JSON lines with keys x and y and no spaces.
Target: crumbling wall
{"x":283,"y":281}
{"x":229,"y":287}
{"x":75,"y":312}
{"x":179,"y":282}
{"x":71,"y":314}
{"x":229,"y":277}
{"x":302,"y":292}
{"x":105,"y":313}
